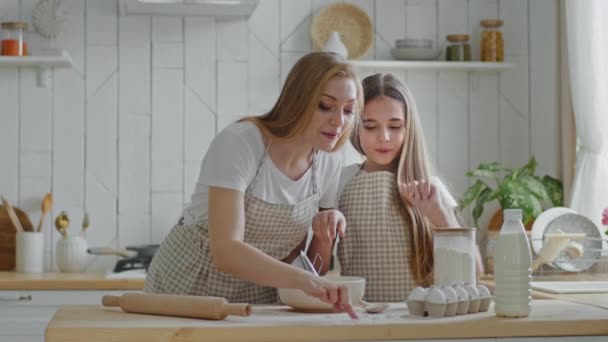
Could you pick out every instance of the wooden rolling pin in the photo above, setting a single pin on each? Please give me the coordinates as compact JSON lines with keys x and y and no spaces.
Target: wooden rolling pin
{"x":177,"y":305}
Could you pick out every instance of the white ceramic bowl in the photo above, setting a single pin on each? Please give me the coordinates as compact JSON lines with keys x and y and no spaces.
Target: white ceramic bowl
{"x":415,"y":53}
{"x":299,"y":300}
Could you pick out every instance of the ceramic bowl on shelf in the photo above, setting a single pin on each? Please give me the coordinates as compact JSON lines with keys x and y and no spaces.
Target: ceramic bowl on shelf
{"x":300,"y":301}
{"x":415,"y":53}
{"x":414,"y":43}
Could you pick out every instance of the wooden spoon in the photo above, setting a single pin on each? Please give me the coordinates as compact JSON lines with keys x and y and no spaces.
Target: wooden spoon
{"x":47,"y":204}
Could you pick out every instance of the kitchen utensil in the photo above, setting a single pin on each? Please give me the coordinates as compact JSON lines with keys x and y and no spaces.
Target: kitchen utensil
{"x":415,"y":53}
{"x":592,"y":243}
{"x":414,"y":43}
{"x":12,"y":216}
{"x":372,"y":307}
{"x":299,"y":300}
{"x":571,"y":286}
{"x":62,"y":222}
{"x":85,"y":225}
{"x":71,"y":254}
{"x":552,"y":247}
{"x":307,"y":264}
{"x":136,"y":257}
{"x":47,"y":204}
{"x":29,"y":249}
{"x":8,"y":235}
{"x":215,"y":308}
{"x":353,"y":24}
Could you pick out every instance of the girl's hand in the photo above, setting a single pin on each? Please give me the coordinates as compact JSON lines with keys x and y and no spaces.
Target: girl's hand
{"x":327,"y":292}
{"x":423,"y":196}
{"x":327,"y":224}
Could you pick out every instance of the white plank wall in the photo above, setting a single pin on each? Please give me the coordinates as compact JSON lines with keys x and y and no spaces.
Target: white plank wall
{"x":122,"y":133}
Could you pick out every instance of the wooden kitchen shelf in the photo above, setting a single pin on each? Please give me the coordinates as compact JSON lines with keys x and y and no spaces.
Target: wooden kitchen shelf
{"x":43,"y":62}
{"x":434,"y":65}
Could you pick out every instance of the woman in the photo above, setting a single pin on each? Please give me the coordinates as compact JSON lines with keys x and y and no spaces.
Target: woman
{"x":262,"y":184}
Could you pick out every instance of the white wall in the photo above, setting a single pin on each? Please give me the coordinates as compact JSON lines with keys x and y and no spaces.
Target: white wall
{"x":123,"y":132}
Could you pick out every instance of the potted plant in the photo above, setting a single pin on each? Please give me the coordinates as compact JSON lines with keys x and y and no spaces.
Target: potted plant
{"x":514,"y":188}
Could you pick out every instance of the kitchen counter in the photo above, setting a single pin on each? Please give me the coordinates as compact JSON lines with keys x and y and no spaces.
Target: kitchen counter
{"x":279,"y":323}
{"x":66,"y":281}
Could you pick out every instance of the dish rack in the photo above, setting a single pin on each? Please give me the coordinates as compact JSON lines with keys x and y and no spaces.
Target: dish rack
{"x":592,"y":262}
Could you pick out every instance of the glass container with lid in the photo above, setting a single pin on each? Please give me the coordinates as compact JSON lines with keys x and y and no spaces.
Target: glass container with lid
{"x":13,"y":38}
{"x":458,"y":48}
{"x":492,"y":43}
{"x":454,"y":252}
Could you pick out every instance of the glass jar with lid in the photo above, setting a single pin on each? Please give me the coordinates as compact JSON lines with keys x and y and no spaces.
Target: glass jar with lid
{"x":13,"y":38}
{"x":454,"y":253}
{"x":458,"y":48}
{"x":492,"y":43}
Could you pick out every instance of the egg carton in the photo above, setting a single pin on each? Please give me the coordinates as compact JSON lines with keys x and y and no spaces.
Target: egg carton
{"x":449,"y":300}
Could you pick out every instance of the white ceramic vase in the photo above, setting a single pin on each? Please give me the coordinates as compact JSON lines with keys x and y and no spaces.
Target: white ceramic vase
{"x":334,"y":44}
{"x":71,"y":254}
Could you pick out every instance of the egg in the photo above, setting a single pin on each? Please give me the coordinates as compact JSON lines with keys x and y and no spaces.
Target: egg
{"x":435,"y":296}
{"x":472,"y":291}
{"x":484,"y":292}
{"x":450,"y":294}
{"x":418,"y":293}
{"x":461,"y":293}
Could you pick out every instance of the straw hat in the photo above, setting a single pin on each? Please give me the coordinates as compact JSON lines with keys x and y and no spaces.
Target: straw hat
{"x":353,"y":24}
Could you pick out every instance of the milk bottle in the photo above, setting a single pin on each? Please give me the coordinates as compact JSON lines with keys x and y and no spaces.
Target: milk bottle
{"x":512,"y":272}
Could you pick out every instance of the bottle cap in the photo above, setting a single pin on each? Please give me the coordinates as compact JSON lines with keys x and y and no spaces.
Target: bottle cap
{"x":512,"y":213}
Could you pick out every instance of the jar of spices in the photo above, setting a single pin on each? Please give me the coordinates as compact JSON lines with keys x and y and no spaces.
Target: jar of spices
{"x":458,"y":48}
{"x":492,"y":44}
{"x":13,"y":38}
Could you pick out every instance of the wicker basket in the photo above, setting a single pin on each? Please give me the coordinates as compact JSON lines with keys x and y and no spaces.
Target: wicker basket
{"x":353,"y":24}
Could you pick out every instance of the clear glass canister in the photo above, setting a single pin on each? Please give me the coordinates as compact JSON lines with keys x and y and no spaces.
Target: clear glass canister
{"x":454,"y":252}
{"x":492,"y":43}
{"x":458,"y":48}
{"x":13,"y":38}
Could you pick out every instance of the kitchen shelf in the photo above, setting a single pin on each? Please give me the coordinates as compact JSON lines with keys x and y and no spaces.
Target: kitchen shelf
{"x":43,"y":62}
{"x":434,"y":65}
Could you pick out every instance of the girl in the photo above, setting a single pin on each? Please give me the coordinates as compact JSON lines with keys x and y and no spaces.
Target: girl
{"x":391,"y":202}
{"x":262,"y":182}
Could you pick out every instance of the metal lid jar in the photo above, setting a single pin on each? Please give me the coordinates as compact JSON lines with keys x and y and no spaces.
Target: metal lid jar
{"x":492,"y":43}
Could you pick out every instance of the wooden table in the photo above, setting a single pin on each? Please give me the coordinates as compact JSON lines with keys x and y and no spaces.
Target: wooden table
{"x":279,"y":323}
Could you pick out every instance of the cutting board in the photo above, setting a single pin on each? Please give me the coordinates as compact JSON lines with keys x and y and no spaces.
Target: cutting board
{"x":279,"y":323}
{"x":7,"y":237}
{"x":571,"y":286}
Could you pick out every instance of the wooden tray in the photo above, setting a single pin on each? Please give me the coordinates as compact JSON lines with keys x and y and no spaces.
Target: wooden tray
{"x":7,"y":237}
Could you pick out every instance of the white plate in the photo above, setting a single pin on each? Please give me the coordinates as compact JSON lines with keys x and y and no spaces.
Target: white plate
{"x":571,"y":286}
{"x":415,"y":53}
{"x":592,"y":244}
{"x":541,"y":223}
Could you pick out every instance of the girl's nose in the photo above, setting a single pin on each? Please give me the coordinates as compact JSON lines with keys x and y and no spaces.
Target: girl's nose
{"x":338,"y":118}
{"x":383,"y":135}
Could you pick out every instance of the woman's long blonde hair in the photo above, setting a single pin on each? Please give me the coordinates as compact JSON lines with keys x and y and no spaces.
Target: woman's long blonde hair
{"x":301,"y":95}
{"x":413,"y":164}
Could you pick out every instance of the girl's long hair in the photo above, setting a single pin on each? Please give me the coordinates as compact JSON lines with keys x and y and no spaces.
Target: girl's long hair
{"x":301,"y":95}
{"x":413,"y":164}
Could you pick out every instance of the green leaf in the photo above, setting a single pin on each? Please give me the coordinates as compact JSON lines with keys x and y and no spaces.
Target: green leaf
{"x":536,"y":187}
{"x":494,"y":166}
{"x":516,"y":195}
{"x":530,"y":167}
{"x":555,"y":189}
{"x":482,"y":174}
{"x":481,"y":200}
{"x":472,"y":192}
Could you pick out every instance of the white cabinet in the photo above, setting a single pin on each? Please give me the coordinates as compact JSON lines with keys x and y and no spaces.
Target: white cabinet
{"x":24,"y":315}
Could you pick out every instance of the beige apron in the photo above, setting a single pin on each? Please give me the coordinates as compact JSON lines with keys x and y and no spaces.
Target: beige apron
{"x":377,"y":241}
{"x":183,"y":263}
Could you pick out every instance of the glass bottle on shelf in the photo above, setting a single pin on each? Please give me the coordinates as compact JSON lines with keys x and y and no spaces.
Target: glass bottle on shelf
{"x":458,"y":48}
{"x":13,"y":38}
{"x":492,"y":43}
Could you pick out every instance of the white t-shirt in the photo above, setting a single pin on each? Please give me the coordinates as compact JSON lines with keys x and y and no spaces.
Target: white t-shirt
{"x":232,"y":161}
{"x":446,"y":198}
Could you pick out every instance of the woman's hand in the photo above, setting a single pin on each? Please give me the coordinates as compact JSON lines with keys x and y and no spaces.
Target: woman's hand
{"x":423,"y":196}
{"x":327,"y":224}
{"x":329,"y":293}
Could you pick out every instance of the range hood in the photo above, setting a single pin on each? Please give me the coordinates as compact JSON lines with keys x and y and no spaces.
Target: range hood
{"x":221,"y":9}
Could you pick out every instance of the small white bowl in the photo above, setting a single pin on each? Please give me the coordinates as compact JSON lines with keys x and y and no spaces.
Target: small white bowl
{"x":299,"y":300}
{"x":415,"y":53}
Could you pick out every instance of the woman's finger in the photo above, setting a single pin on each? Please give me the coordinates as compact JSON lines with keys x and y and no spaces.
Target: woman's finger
{"x":341,"y":227}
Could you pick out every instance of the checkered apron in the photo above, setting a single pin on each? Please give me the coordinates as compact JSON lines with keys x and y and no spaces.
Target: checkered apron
{"x":377,"y":241}
{"x":183,"y":263}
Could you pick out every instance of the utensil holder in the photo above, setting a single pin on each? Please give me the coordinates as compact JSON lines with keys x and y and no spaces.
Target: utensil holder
{"x":71,"y":254}
{"x":29,"y":251}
